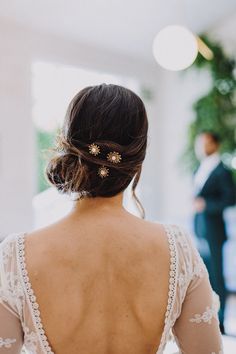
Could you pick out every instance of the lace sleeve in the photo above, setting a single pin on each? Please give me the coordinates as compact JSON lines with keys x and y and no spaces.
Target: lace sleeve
{"x":11,"y":333}
{"x":197,"y":328}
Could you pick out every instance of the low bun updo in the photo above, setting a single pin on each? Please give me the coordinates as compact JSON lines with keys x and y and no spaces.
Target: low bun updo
{"x":112,"y":117}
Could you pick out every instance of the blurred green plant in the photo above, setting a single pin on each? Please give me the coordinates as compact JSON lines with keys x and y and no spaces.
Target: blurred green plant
{"x":215,"y":111}
{"x":45,"y":141}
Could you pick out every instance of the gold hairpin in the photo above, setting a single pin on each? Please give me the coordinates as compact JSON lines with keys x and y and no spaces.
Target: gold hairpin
{"x":103,"y":172}
{"x":94,"y":149}
{"x":114,"y":157}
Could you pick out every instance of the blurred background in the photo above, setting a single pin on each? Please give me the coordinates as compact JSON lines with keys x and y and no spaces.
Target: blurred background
{"x":51,"y":49}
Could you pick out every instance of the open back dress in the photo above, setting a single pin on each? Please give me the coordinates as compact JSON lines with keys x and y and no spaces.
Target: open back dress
{"x":190,"y":318}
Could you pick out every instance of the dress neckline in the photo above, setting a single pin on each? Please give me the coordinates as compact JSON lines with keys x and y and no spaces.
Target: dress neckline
{"x":172,"y":285}
{"x":34,"y":306}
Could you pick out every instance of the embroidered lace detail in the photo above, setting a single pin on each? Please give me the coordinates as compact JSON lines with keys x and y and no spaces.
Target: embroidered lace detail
{"x":8,"y":252}
{"x":31,"y":338}
{"x":190,"y":267}
{"x":198,"y":270}
{"x":11,"y":292}
{"x":6,"y":343}
{"x":206,"y":316}
{"x":172,"y":285}
{"x":211,"y":312}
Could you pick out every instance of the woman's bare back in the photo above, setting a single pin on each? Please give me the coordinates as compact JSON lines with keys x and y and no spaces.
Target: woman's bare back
{"x":101,"y":282}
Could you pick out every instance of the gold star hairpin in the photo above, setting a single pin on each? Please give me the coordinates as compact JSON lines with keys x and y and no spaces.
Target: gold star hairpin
{"x":103,"y":172}
{"x":94,"y":149}
{"x":114,"y":157}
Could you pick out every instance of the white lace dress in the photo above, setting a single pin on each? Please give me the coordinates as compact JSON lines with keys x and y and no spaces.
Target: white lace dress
{"x":191,"y":314}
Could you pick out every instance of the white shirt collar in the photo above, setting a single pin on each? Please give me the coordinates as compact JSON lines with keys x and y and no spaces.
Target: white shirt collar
{"x":207,"y":165}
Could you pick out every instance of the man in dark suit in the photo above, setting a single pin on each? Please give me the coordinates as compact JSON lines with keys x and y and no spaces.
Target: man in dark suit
{"x":214,"y":191}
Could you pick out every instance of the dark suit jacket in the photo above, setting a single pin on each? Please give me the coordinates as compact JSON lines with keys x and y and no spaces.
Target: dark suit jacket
{"x":219,"y":193}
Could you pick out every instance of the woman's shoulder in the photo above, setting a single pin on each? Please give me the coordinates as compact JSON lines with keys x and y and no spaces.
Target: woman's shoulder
{"x":175,"y":234}
{"x":189,"y":260}
{"x":182,"y":237}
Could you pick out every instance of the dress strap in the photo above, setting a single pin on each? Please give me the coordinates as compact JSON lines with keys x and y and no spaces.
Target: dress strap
{"x":172,"y":285}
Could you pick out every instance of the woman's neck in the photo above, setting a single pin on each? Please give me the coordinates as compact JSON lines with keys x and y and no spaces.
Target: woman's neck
{"x":99,"y":204}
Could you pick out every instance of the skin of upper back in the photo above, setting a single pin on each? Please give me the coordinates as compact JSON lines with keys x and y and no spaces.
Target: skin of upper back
{"x":101,"y":281}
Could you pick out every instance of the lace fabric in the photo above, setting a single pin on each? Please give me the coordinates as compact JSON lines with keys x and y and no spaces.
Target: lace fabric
{"x":191,"y":313}
{"x":194,"y":296}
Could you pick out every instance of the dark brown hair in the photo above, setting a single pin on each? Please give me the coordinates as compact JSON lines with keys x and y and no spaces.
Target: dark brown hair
{"x":214,"y":136}
{"x":114,"y":118}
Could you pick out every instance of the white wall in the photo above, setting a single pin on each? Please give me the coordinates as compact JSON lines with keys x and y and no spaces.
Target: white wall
{"x":152,"y":175}
{"x":224,"y":32}
{"x":16,"y":135}
{"x":178,"y":92}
